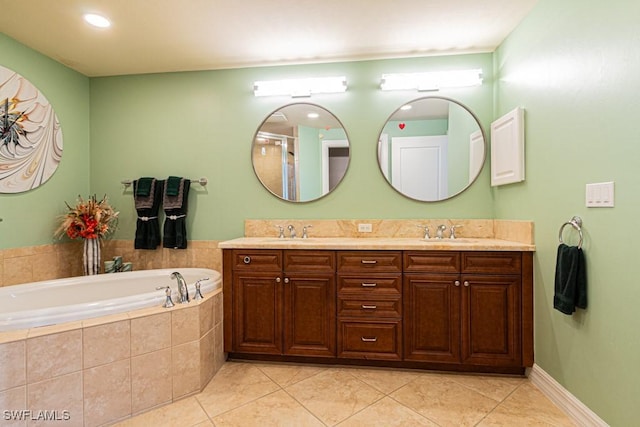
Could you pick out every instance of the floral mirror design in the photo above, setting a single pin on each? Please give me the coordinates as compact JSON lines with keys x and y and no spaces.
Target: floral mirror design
{"x":300,"y":152}
{"x":30,"y":135}
{"x":431,"y":149}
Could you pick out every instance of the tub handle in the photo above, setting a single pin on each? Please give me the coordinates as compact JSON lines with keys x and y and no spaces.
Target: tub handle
{"x":168,"y":303}
{"x":198,"y":293}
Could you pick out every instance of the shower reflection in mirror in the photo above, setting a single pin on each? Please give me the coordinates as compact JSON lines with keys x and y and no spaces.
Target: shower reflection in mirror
{"x":300,"y":152}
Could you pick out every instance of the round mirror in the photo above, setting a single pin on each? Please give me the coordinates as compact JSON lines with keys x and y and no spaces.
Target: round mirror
{"x":431,"y":149}
{"x":300,"y":152}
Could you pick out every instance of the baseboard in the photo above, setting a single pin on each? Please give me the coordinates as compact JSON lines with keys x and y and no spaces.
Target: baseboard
{"x":574,"y":408}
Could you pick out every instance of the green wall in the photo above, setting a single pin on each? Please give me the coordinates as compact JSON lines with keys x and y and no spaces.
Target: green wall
{"x":29,"y":218}
{"x":574,"y":66}
{"x":202,"y":123}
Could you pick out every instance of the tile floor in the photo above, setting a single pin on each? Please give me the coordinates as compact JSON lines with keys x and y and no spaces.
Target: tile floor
{"x":263,"y":394}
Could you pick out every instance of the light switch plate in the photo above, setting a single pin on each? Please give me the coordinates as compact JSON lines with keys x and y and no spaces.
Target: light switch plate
{"x":600,"y":195}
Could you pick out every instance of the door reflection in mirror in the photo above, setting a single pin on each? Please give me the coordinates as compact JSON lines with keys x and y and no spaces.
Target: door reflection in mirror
{"x":300,"y":152}
{"x":431,"y":149}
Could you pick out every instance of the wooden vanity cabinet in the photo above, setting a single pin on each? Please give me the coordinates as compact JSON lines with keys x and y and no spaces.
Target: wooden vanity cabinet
{"x":466,"y":308}
{"x":283,"y":302}
{"x":457,"y":310}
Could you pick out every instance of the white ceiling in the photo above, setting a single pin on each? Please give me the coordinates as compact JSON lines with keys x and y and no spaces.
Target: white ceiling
{"x":150,"y":36}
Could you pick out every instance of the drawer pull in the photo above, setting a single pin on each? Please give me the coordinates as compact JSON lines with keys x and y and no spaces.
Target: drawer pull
{"x":369,"y":285}
{"x":372,"y":339}
{"x":247,"y":260}
{"x":369,"y":261}
{"x":369,"y":307}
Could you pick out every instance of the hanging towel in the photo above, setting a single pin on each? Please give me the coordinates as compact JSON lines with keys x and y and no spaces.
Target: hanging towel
{"x":143,"y":189}
{"x":144,"y":199}
{"x":571,"y":280}
{"x":169,"y":201}
{"x":173,"y":185}
{"x":147,"y":224}
{"x":175,"y":228}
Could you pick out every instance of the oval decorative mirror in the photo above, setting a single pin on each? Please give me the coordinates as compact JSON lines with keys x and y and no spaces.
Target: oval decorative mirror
{"x":300,"y":152}
{"x":431,"y":149}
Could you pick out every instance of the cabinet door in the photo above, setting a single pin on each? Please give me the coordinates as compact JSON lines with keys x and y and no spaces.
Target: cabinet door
{"x":310,"y":314}
{"x":491,"y":320}
{"x":432,"y":317}
{"x":257,"y":314}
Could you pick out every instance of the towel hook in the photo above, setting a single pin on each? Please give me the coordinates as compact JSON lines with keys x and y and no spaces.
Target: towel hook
{"x":576,"y":222}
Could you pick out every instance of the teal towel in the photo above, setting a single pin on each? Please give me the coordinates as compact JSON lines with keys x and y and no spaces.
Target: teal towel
{"x":143,"y":189}
{"x":173,"y":185}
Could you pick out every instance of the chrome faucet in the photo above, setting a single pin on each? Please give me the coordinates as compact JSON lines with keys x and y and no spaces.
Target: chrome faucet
{"x":304,"y":231}
{"x":427,"y":236}
{"x":440,"y":230}
{"x":280,"y":231}
{"x":182,"y":287}
{"x":453,"y":231}
{"x":292,"y":231}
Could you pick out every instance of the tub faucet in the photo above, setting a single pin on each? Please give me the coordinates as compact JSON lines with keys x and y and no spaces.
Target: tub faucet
{"x":182,"y":287}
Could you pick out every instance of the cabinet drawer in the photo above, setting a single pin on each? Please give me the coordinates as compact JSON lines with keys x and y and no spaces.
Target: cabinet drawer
{"x":370,"y":340}
{"x":370,"y":285}
{"x":370,"y":308}
{"x":492,"y":262}
{"x":370,"y":261}
{"x":310,"y":261}
{"x":434,"y":262}
{"x":257,"y":260}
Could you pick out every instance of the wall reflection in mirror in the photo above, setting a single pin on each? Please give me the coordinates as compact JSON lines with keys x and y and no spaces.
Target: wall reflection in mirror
{"x":431,"y":149}
{"x":300,"y":152}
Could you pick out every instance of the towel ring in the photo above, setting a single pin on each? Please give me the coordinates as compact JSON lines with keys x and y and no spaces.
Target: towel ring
{"x":576,"y":222}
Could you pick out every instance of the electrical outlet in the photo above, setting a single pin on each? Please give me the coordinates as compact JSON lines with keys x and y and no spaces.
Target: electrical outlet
{"x":365,"y":228}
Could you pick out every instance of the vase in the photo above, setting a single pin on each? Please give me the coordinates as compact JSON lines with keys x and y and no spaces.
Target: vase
{"x":91,"y":257}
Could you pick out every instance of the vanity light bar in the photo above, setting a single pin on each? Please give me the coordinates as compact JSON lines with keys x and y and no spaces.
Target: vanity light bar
{"x":300,"y":87}
{"x":434,"y":80}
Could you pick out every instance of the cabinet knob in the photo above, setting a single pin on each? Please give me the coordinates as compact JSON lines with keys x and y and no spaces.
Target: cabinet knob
{"x":277,"y":280}
{"x":466,"y":283}
{"x":247,"y":260}
{"x":457,"y":283}
{"x":286,"y":280}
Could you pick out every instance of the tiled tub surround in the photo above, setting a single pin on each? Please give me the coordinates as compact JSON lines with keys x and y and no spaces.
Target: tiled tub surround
{"x":56,"y":261}
{"x":107,"y":369}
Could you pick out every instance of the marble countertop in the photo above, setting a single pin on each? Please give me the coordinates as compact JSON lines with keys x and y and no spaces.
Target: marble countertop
{"x":377,"y":243}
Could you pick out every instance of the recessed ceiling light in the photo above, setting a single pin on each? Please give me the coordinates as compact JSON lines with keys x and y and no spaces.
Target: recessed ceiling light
{"x":97,"y":20}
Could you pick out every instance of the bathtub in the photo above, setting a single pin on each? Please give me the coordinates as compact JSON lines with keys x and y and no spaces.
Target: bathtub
{"x":63,"y":300}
